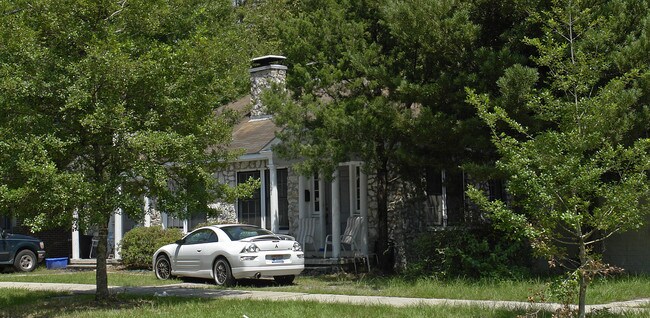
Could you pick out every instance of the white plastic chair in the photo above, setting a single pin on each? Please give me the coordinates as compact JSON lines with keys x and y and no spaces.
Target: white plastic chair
{"x":305,"y":231}
{"x":349,"y":236}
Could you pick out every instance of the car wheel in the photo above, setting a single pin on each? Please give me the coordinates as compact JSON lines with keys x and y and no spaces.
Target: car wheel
{"x":163,"y":268}
{"x":222,"y":273}
{"x":25,"y":261}
{"x":284,"y":280}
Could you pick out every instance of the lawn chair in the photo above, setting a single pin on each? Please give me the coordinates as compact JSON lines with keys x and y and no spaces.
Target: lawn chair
{"x":305,"y":231}
{"x":349,"y":237}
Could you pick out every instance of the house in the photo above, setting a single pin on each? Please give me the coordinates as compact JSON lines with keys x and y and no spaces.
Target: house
{"x":286,"y":197}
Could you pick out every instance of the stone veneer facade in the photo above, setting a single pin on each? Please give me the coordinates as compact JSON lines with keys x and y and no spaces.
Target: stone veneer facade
{"x":262,"y":78}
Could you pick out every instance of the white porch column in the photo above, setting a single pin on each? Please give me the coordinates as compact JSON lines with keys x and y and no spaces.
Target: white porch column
{"x":75,"y":235}
{"x":117,"y":238}
{"x":301,"y":196}
{"x":163,"y":218}
{"x":186,"y":227}
{"x":443,"y":176}
{"x":336,"y":215}
{"x":147,"y":212}
{"x":363,"y":187}
{"x":321,"y":208}
{"x":275,"y":219}
{"x":263,"y":202}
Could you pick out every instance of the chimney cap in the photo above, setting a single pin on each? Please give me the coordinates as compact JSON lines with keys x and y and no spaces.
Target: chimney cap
{"x":267,"y":60}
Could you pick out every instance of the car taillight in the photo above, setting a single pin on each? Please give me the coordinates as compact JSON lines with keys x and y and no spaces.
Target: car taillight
{"x":41,"y":245}
{"x":251,"y":248}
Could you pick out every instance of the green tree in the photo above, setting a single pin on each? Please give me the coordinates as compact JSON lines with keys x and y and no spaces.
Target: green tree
{"x":382,"y":82}
{"x":102,"y":102}
{"x":582,"y":174}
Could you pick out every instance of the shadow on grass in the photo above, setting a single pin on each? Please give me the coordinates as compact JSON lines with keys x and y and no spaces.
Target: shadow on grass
{"x":23,"y":303}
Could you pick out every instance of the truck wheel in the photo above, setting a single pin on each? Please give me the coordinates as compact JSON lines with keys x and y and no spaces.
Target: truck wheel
{"x":25,"y":261}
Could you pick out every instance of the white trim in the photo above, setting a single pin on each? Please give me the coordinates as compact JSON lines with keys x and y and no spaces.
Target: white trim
{"x":273,"y":192}
{"x":163,"y":219}
{"x":117,"y":235}
{"x":147,"y":212}
{"x":336,"y":215}
{"x":363,"y":183}
{"x":75,"y":235}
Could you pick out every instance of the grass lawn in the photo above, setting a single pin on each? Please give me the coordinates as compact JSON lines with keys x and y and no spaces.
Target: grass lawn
{"x":22,"y":303}
{"x":600,"y":292}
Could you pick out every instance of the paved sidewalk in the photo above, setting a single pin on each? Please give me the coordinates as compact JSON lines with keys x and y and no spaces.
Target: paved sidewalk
{"x":203,"y":291}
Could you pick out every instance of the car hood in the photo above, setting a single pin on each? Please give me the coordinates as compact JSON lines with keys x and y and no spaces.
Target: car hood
{"x":22,"y":237}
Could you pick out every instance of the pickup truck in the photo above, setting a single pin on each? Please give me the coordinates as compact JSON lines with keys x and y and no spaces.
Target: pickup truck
{"x":20,"y":251}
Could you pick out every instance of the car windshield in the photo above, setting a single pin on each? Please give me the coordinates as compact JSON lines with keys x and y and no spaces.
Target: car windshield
{"x":241,"y":232}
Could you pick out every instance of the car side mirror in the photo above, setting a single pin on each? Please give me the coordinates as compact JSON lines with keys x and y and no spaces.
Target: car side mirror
{"x":180,"y":242}
{"x":3,"y":233}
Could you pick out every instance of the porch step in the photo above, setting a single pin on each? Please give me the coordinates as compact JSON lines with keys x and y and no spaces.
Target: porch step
{"x":90,"y":264}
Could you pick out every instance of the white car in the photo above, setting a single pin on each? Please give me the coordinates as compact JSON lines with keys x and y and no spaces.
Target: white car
{"x":226,"y":253}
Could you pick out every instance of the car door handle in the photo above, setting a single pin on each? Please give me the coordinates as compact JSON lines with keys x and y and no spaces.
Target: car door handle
{"x":198,"y":251}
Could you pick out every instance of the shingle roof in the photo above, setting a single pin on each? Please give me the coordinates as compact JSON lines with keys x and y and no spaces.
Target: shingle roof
{"x":251,"y":136}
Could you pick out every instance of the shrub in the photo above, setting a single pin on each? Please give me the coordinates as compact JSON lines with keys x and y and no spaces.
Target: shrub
{"x":139,"y":244}
{"x":465,"y":252}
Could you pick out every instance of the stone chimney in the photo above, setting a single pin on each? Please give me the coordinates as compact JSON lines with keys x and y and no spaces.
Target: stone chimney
{"x":265,"y":71}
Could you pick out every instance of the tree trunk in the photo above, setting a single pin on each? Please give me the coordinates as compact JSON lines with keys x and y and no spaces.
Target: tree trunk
{"x":383,"y":248}
{"x":582,"y":298}
{"x":101,"y":277}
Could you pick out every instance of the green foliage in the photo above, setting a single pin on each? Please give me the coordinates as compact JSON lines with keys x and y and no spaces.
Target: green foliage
{"x":466,"y":252}
{"x":581,"y":173}
{"x":103,"y":102}
{"x":139,"y":244}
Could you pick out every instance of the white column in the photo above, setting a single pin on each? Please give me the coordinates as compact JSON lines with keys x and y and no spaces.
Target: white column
{"x":186,"y":227}
{"x":263,"y":202}
{"x":321,"y":208}
{"x":275,"y":219}
{"x":363,"y":185}
{"x":75,"y":235}
{"x":301,"y":196}
{"x":147,"y":212}
{"x":163,"y":219}
{"x":352,"y":189}
{"x":444,"y":198}
{"x":336,"y":215}
{"x":119,"y":223}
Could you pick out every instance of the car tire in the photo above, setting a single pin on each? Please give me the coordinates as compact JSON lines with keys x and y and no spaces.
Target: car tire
{"x":222,"y":273}
{"x":25,"y":261}
{"x":163,"y":267}
{"x":284,"y":280}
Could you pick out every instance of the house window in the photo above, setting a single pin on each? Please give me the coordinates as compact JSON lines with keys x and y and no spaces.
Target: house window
{"x":249,"y":209}
{"x":174,"y":222}
{"x":316,"y":193}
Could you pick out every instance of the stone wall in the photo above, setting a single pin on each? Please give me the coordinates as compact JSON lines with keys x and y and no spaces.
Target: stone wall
{"x":407,"y":220}
{"x":226,"y":212}
{"x":262,"y":78}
